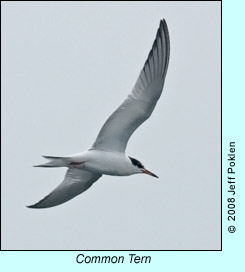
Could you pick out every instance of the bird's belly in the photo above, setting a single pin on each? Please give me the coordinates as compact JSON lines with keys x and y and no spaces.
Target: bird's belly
{"x":108,"y":165}
{"x":107,"y":169}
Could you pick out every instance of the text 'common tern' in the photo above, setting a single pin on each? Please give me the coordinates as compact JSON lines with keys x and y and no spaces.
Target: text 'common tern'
{"x":107,"y":155}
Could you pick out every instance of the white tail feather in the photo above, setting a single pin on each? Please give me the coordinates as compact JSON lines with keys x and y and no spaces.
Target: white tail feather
{"x":54,"y":162}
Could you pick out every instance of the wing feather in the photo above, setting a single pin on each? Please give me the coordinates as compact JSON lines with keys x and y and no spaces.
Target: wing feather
{"x":76,"y":182}
{"x":138,"y":106}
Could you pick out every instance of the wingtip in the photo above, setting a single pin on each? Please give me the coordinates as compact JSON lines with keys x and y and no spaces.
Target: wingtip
{"x":34,"y":206}
{"x":163,"y":21}
{"x":30,"y":206}
{"x":163,"y":24}
{"x":37,"y":205}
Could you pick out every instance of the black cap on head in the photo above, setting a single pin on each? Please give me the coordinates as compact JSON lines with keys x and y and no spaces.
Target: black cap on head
{"x":136,"y":163}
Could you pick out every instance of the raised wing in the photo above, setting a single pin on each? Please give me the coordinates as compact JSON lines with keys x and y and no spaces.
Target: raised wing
{"x":76,"y":182}
{"x":138,"y":106}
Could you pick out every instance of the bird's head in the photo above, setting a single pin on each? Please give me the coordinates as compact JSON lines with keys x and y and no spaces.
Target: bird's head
{"x":139,"y":167}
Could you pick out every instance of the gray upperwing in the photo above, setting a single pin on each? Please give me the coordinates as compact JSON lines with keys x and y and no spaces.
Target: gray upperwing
{"x":138,"y":106}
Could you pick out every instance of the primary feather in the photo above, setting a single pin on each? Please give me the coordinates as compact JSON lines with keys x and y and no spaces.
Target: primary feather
{"x":138,"y":106}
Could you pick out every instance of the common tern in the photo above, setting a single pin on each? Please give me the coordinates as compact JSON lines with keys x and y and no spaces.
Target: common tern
{"x":107,"y":154}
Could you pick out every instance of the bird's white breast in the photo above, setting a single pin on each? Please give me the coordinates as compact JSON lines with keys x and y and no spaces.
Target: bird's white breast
{"x":108,"y":163}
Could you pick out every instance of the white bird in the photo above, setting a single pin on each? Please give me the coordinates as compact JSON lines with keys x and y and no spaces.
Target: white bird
{"x":107,"y":155}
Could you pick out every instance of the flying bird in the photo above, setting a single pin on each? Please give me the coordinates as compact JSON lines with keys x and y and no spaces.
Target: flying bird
{"x":107,"y":154}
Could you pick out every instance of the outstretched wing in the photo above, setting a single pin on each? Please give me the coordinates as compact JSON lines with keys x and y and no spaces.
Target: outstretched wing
{"x":138,"y":106}
{"x":76,"y":182}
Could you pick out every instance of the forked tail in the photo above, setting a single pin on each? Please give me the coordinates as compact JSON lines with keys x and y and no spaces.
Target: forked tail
{"x":54,"y":162}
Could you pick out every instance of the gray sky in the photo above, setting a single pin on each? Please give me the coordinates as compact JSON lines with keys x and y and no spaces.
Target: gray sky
{"x":65,"y":67}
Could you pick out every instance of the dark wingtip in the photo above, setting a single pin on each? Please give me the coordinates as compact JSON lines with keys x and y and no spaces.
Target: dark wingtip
{"x":163,"y":24}
{"x":30,"y":206}
{"x":37,"y":205}
{"x":163,"y":21}
{"x":34,"y":206}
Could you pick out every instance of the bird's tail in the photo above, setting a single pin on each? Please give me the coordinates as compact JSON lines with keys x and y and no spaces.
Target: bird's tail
{"x":54,"y":162}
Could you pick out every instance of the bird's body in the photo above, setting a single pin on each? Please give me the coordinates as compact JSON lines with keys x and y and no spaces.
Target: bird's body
{"x":98,"y":161}
{"x":107,"y":154}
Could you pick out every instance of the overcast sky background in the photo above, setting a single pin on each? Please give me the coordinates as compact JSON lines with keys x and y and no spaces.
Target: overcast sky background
{"x":66,"y":66}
